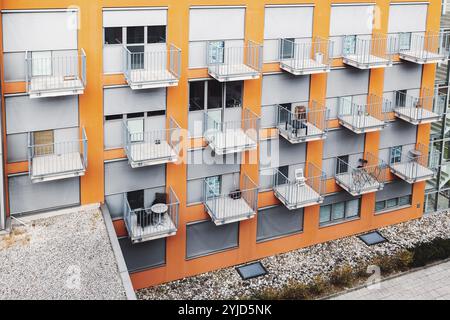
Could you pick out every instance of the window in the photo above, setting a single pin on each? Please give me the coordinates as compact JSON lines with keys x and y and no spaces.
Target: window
{"x":156,"y":113}
{"x":41,"y":63}
{"x":44,"y":142}
{"x":342,"y":164}
{"x":339,"y":211}
{"x":136,"y":199}
{"x":113,"y":35}
{"x":404,"y":41}
{"x":391,"y":204}
{"x":349,"y":45}
{"x":287,"y":49}
{"x":213,"y":186}
{"x":156,"y":34}
{"x":196,"y":95}
{"x":400,"y":98}
{"x":395,"y":155}
{"x":233,"y":96}
{"x":215,"y":95}
{"x":216,"y":52}
{"x":136,"y":128}
{"x":135,"y":35}
{"x":114,"y":117}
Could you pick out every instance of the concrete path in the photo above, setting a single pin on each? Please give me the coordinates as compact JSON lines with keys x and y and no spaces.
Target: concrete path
{"x":432,"y":283}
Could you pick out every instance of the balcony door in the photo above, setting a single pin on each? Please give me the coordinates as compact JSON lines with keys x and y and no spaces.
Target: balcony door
{"x":214,"y":186}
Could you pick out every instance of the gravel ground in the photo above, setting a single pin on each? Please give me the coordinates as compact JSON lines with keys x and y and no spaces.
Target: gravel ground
{"x":302,"y":265}
{"x":62,"y":257}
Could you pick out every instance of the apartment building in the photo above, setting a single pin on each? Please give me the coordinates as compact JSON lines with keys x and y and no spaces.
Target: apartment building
{"x":220,"y":134}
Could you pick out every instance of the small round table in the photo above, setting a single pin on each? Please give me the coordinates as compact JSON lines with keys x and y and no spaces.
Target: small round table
{"x":157,"y":211}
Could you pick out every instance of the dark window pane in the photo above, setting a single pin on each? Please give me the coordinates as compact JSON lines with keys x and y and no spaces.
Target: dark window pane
{"x":156,"y":34}
{"x":392,"y":203}
{"x":404,"y":201}
{"x":380,"y":205}
{"x":196,"y":95}
{"x":214,"y":94}
{"x":114,"y":117}
{"x":136,"y":199}
{"x":113,"y":35}
{"x":234,"y":94}
{"x":325,"y":213}
{"x":288,"y":48}
{"x":156,"y":113}
{"x":135,"y":35}
{"x":342,"y":164}
{"x":338,"y":211}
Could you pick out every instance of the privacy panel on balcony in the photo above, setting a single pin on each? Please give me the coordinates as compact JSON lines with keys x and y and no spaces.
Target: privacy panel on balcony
{"x":123,"y":100}
{"x":402,"y":76}
{"x":39,"y":31}
{"x":284,"y":88}
{"x":205,"y":237}
{"x":407,"y":17}
{"x":216,"y":23}
{"x":25,"y":196}
{"x":278,"y":221}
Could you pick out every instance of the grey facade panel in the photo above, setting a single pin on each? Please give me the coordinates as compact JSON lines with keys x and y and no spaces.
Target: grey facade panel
{"x":28,"y":197}
{"x":398,"y":188}
{"x":24,"y":114}
{"x":278,"y":221}
{"x":124,"y":100}
{"x":202,"y":163}
{"x":120,"y":177}
{"x":113,"y":134}
{"x":205,"y":237}
{"x":195,"y":191}
{"x":402,"y":76}
{"x":338,"y":197}
{"x":14,"y":63}
{"x":398,"y":133}
{"x":290,"y":154}
{"x":143,"y":255}
{"x":284,"y":88}
{"x":329,"y":165}
{"x":346,"y":82}
{"x":17,"y":147}
{"x":342,"y":142}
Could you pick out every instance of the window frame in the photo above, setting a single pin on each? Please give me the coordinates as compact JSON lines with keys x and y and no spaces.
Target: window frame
{"x":395,"y":154}
{"x":346,"y":216}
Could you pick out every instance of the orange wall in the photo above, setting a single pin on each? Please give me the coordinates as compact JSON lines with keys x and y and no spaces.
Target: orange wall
{"x":91,"y":117}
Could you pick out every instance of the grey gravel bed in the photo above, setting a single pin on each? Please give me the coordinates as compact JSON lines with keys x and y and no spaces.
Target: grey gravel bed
{"x":302,"y":265}
{"x":62,"y":257}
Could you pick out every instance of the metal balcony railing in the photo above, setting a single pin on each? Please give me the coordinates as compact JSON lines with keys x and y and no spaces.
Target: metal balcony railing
{"x":59,"y":160}
{"x":234,"y":63}
{"x":226,"y":137}
{"x":369,"y":53}
{"x":416,"y":165}
{"x":160,"y":220}
{"x":367,"y":177}
{"x":237,"y":205}
{"x":423,"y":47}
{"x":303,"y":124}
{"x":362,"y":118}
{"x":152,"y":69}
{"x":417,"y":110}
{"x":295,"y":194}
{"x":55,"y":74}
{"x":306,"y":56}
{"x":152,"y":147}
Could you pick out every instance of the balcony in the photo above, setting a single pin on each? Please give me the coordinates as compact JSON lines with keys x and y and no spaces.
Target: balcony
{"x":234,"y":63}
{"x":303,"y":125}
{"x":423,"y":48}
{"x":59,"y":160}
{"x":368,"y":53}
{"x":53,"y":74}
{"x":363,"y":118}
{"x":302,"y":191}
{"x":367,"y":177}
{"x":426,"y":109}
{"x":152,"y":69}
{"x":160,"y":220}
{"x":416,"y":165}
{"x":306,"y":57}
{"x":152,"y":147}
{"x":226,"y":137}
{"x":237,"y":205}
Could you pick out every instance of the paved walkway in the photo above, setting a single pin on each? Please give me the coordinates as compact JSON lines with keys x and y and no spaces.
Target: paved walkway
{"x":432,"y":283}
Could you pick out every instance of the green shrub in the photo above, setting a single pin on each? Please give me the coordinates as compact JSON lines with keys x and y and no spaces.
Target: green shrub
{"x":425,"y":253}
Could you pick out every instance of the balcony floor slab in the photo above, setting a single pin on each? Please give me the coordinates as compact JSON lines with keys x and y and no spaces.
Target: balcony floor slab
{"x":412,"y":172}
{"x":225,"y":210}
{"x":422,"y":57}
{"x":416,"y":116}
{"x":56,"y":166}
{"x":358,"y":183}
{"x":149,"y":153}
{"x":362,"y":62}
{"x":310,"y":133}
{"x":297,"y":196}
{"x":361,"y":123}
{"x":230,"y":141}
{"x":52,"y":86}
{"x":235,"y":72}
{"x":161,"y":229}
{"x":147,"y":79}
{"x":303,"y":67}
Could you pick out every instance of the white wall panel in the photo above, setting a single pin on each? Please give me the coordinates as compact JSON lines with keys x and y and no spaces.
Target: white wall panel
{"x":134,"y":18}
{"x":216,"y":23}
{"x":351,"y":19}
{"x":407,"y":17}
{"x":288,"y":22}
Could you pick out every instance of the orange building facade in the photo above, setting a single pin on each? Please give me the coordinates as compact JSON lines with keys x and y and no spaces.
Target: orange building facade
{"x":340,"y":93}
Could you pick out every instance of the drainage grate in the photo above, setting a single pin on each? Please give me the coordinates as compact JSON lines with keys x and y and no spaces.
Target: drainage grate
{"x":372,"y":238}
{"x":252,"y":270}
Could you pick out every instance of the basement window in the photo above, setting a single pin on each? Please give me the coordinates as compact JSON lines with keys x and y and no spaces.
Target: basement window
{"x":252,"y":270}
{"x":372,"y":238}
